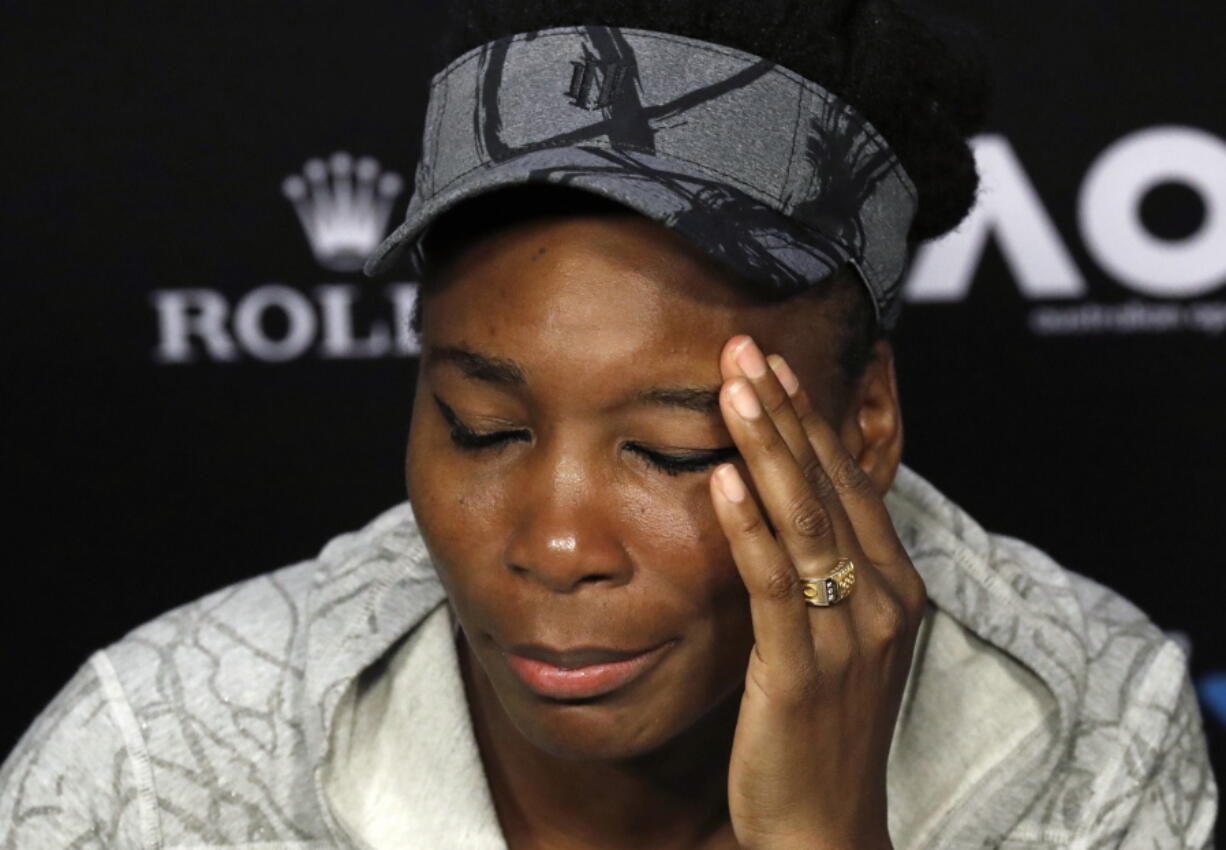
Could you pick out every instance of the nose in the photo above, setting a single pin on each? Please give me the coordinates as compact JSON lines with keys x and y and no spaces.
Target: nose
{"x":565,"y":537}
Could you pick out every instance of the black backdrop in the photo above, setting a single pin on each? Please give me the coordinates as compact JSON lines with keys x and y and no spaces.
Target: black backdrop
{"x":1062,"y":383}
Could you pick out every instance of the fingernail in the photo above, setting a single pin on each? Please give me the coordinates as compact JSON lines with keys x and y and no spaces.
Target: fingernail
{"x":744,"y":401}
{"x":749,"y":358}
{"x":784,"y":373}
{"x":730,"y":483}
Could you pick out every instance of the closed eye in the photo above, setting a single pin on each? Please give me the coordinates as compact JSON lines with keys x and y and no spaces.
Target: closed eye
{"x":688,"y":462}
{"x":466,"y":439}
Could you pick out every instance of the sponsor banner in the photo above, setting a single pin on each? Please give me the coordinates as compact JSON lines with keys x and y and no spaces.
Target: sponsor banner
{"x":1163,"y":283}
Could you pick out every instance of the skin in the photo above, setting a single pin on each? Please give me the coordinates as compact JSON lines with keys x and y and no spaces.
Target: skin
{"x":766,"y":723}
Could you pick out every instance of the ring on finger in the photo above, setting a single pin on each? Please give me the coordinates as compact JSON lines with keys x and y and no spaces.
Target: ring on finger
{"x":832,"y":588}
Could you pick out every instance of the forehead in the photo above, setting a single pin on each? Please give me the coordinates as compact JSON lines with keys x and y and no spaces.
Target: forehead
{"x":597,"y":292}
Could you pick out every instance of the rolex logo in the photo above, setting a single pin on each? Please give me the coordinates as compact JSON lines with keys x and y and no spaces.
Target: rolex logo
{"x":343,"y":206}
{"x":594,"y":84}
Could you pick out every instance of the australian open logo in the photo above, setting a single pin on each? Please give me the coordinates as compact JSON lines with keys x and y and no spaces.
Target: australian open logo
{"x":1146,"y":273}
{"x":595,"y":83}
{"x":343,"y":205}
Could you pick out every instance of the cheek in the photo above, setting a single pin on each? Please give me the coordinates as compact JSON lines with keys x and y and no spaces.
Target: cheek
{"x":686,"y":558}
{"x":458,"y":511}
{"x":673,"y":526}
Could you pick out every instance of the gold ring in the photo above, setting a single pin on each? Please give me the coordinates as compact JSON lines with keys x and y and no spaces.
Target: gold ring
{"x":830,"y":589}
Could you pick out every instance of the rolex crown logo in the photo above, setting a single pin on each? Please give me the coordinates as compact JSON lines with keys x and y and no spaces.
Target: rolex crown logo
{"x":343,"y":206}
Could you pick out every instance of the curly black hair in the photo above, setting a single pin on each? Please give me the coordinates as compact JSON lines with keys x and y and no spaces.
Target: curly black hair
{"x":923,"y":90}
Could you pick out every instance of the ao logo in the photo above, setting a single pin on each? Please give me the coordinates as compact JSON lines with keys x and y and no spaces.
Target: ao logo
{"x":1108,"y":213}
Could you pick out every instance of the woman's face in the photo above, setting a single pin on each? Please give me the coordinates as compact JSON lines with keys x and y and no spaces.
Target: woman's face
{"x":582,"y":532}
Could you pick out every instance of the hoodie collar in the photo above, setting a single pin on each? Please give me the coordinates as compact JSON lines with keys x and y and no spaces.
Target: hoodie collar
{"x":371,"y":587}
{"x":992,"y":597}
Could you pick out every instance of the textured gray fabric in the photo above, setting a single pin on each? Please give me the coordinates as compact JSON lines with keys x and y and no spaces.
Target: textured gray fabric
{"x":412,"y":792}
{"x":766,"y":170}
{"x":210,"y":726}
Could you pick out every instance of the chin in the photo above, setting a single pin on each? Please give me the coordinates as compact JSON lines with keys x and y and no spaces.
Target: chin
{"x":592,"y":732}
{"x":625,"y":725}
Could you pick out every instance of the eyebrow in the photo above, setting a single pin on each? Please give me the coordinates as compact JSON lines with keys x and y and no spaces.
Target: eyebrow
{"x":505,"y":372}
{"x":700,"y":399}
{"x":479,"y":367}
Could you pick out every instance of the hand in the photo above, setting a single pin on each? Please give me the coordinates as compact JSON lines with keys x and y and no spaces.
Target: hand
{"x":823,"y":685}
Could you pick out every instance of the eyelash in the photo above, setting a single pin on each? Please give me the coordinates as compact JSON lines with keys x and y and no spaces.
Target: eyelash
{"x":468,"y":440}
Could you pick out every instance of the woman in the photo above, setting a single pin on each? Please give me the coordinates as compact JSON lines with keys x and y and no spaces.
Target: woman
{"x":662,"y":580}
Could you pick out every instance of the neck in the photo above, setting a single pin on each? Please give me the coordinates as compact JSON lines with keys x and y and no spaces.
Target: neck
{"x":673,"y":797}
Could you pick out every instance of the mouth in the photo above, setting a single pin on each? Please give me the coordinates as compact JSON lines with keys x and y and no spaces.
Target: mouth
{"x":581,"y":673}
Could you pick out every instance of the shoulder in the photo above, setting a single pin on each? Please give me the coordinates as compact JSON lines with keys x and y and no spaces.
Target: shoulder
{"x":1133,"y":768}
{"x":1116,"y":728}
{"x":208,"y":707}
{"x":1017,"y":597}
{"x":73,"y":778}
{"x":240,"y":649}
{"x":247,"y":635}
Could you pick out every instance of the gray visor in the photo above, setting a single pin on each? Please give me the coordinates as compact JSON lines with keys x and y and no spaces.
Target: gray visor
{"x":762,"y":168}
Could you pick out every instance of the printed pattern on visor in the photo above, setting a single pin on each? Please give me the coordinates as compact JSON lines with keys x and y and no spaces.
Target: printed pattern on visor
{"x":762,"y":168}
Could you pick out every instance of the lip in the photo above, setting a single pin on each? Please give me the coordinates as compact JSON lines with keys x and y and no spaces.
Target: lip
{"x":581,"y":673}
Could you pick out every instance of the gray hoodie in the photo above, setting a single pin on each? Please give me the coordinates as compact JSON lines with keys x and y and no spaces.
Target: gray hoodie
{"x":1043,"y":710}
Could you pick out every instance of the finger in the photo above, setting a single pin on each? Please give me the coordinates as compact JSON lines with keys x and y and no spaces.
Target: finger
{"x":776,"y":387}
{"x":883,"y":595}
{"x":780,"y":622}
{"x":742,"y":357}
{"x":801,"y":520}
{"x":851,"y":485}
{"x":863,"y":629}
{"x":889,"y":594}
